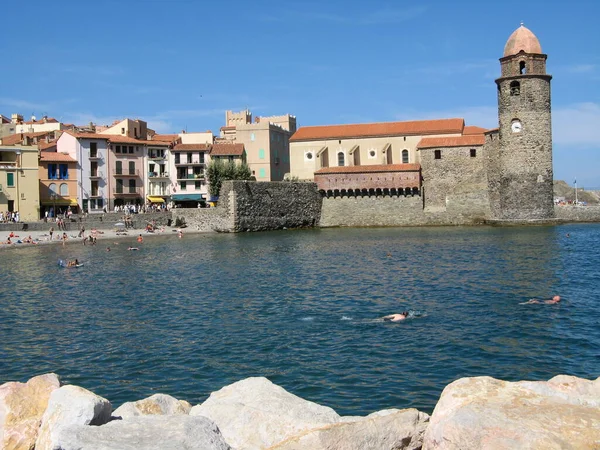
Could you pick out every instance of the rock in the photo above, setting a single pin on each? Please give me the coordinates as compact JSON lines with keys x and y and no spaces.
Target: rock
{"x":482,"y":412}
{"x":387,"y":429}
{"x":157,"y":404}
{"x":22,"y":406}
{"x":255,"y":413}
{"x":71,"y":405}
{"x":173,"y":432}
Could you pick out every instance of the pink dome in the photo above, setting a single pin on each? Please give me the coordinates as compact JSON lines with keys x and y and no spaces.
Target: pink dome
{"x":522,"y":39}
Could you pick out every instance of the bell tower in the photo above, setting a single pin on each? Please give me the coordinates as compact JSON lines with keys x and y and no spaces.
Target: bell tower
{"x":521,"y":182}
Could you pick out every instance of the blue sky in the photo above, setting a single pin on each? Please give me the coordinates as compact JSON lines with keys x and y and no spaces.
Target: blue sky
{"x":180,"y":64}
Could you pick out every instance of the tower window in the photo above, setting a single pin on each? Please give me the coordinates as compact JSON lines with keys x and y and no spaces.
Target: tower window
{"x":522,"y":68}
{"x":341,"y":159}
{"x":473,"y":153}
{"x":437,"y":154}
{"x":515,"y":88}
{"x":404,"y":156}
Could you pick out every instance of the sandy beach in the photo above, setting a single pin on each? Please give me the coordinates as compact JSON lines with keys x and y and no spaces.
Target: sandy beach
{"x":102,"y":235}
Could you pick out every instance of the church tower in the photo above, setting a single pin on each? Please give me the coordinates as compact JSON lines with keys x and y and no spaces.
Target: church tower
{"x":520,"y":175}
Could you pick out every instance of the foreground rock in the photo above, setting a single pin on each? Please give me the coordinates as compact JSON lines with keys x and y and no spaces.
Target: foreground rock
{"x":70,"y":405}
{"x":387,"y":429}
{"x":482,"y":412}
{"x":22,"y":406}
{"x":255,"y":413}
{"x":157,"y":404}
{"x":173,"y":432}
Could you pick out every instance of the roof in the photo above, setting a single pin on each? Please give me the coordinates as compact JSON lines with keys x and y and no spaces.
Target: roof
{"x":227,"y":150}
{"x":370,"y":169}
{"x":456,"y":141}
{"x":417,"y":127}
{"x":191,"y":147}
{"x":44,"y":146}
{"x":88,"y":135}
{"x":56,"y":157}
{"x":15,"y":139}
{"x":230,"y":127}
{"x":522,"y":40}
{"x":472,"y":129}
{"x":42,"y":120}
{"x":116,"y":139}
{"x":165,"y":138}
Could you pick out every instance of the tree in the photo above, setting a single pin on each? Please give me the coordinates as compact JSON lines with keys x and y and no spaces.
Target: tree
{"x":219,"y":171}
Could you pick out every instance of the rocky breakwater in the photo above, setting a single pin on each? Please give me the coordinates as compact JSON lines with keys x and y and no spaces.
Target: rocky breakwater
{"x":473,"y":413}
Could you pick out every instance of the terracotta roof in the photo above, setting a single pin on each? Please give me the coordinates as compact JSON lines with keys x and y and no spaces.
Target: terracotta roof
{"x":56,"y":157}
{"x":165,"y":137}
{"x":44,"y":146}
{"x":88,"y":135}
{"x":115,"y":138}
{"x":370,"y":169}
{"x":118,"y":139}
{"x":227,"y":150}
{"x":417,"y":127}
{"x":522,"y":40}
{"x":15,"y":139}
{"x":456,"y":141}
{"x":41,"y":121}
{"x":472,"y":129}
{"x":191,"y":147}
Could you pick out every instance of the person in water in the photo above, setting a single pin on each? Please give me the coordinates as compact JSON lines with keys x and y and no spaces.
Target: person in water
{"x":396,"y":317}
{"x":551,"y":301}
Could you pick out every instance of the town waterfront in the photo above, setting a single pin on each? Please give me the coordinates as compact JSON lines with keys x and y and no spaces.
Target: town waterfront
{"x":188,"y":316}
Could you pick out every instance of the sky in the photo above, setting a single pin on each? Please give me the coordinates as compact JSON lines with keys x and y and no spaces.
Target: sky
{"x":180,"y":64}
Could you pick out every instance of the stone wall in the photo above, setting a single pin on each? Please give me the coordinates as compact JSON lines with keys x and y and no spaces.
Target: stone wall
{"x":578,"y":213}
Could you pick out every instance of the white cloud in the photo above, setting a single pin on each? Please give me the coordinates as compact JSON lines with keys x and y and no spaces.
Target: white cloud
{"x":577,"y":125}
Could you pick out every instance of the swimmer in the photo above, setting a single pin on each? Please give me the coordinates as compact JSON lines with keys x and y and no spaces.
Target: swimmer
{"x":396,"y":317}
{"x":108,"y":249}
{"x":133,"y":248}
{"x":140,"y":238}
{"x":551,"y":301}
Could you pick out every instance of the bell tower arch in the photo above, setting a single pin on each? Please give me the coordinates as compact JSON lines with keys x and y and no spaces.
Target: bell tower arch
{"x":521,"y":181}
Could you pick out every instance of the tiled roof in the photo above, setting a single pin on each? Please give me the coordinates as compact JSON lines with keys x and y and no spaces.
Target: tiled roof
{"x":418,"y":127}
{"x":227,"y":150}
{"x":370,"y":169}
{"x":55,"y":157}
{"x":118,"y":139}
{"x":88,"y":135}
{"x":15,"y":139}
{"x":44,"y":146}
{"x":471,"y":129}
{"x":42,"y":121}
{"x":191,"y":147}
{"x":165,"y":137}
{"x":456,"y":141}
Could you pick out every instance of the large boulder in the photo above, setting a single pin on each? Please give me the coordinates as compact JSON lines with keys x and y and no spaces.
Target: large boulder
{"x":22,"y":406}
{"x":145,"y":433}
{"x":71,"y":405}
{"x":384,"y":430}
{"x":255,"y":413}
{"x":157,"y":404}
{"x":482,"y":412}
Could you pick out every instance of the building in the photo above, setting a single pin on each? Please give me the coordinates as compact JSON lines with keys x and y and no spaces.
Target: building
{"x":189,"y":166}
{"x":499,"y":174}
{"x":266,"y":142}
{"x":19,"y":185}
{"x":45,"y":124}
{"x":58,"y":183}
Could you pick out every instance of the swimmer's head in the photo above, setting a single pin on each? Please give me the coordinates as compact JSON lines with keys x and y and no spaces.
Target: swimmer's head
{"x":405,"y":313}
{"x":556,"y":298}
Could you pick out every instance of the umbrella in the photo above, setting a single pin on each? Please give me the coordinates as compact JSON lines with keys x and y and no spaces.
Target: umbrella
{"x":119,"y":224}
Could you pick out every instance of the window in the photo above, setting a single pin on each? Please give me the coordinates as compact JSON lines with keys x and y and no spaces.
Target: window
{"x":93,"y":149}
{"x":93,"y":169}
{"x":261,"y":153}
{"x":308,"y":155}
{"x":131,"y":167}
{"x":198,"y":184}
{"x":252,"y":137}
{"x":473,"y":153}
{"x":122,"y":130}
{"x":262,"y":172}
{"x":130,"y":149}
{"x":119,"y":168}
{"x":94,"y":188}
{"x":52,"y":171}
{"x":201,"y":158}
{"x":118,"y":149}
{"x":437,"y":154}
{"x":177,"y":158}
{"x":132,"y":186}
{"x":10,"y":179}
{"x":64,"y":189}
{"x":52,"y":188}
{"x":189,"y":158}
{"x":341,"y":159}
{"x":404,"y":156}
{"x":522,"y":68}
{"x":63,"y":171}
{"x":515,"y":88}
{"x":183,"y":185}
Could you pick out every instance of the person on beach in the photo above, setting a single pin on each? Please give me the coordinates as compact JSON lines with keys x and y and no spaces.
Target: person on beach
{"x":551,"y":301}
{"x":51,"y":232}
{"x":396,"y":317}
{"x":64,"y":238}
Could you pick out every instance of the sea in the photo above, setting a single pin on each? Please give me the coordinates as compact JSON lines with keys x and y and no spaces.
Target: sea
{"x":303,"y":308}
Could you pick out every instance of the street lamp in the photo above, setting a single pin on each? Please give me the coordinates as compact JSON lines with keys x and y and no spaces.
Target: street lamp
{"x":53,"y":197}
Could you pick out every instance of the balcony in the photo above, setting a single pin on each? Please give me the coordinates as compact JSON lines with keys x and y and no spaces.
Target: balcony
{"x":126,"y":190}
{"x":95,"y":175}
{"x":190,"y":176}
{"x":126,"y":173}
{"x":191,"y":163}
{"x":8,"y":164}
{"x":156,"y":157}
{"x":95,"y":157}
{"x":96,"y":194}
{"x":158,"y":175}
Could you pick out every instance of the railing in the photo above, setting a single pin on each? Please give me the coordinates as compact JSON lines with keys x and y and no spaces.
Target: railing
{"x":95,"y":157}
{"x":96,"y":194}
{"x":125,"y":190}
{"x":191,"y":176}
{"x":126,"y":173}
{"x":96,"y":175}
{"x":190,"y":163}
{"x":153,"y":157}
{"x":158,"y":175}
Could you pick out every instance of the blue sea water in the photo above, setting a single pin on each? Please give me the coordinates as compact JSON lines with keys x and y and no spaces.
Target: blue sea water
{"x":188,"y":316}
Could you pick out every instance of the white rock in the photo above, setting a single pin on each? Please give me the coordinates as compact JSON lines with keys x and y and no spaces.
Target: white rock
{"x":173,"y":432}
{"x":22,"y":406}
{"x":485,"y":413}
{"x":255,"y":413}
{"x":71,"y":405}
{"x":383,"y":430}
{"x":157,"y":404}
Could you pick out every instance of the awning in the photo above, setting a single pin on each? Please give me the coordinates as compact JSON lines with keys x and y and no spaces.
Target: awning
{"x":60,"y":202}
{"x":155,"y":199}
{"x":187,"y":197}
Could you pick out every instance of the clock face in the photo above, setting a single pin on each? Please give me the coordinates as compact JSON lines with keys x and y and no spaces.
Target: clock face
{"x":516,"y":127}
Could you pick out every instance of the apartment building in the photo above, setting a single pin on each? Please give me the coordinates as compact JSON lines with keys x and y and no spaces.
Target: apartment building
{"x":57,"y":183}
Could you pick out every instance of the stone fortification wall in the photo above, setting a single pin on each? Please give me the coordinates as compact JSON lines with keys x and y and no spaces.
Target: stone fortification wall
{"x":578,"y":213}
{"x":464,"y":209}
{"x":274,"y":205}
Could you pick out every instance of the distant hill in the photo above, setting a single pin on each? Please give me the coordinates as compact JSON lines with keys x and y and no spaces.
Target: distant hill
{"x":563,"y":190}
